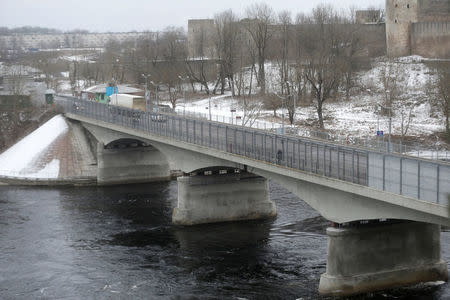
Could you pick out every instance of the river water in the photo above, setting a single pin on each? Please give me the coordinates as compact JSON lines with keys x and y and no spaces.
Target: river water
{"x":118,"y":242}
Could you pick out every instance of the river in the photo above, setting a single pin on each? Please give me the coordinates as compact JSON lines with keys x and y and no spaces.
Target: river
{"x":118,"y":242}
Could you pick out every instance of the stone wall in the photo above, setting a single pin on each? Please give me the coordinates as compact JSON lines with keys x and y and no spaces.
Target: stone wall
{"x":431,"y":39}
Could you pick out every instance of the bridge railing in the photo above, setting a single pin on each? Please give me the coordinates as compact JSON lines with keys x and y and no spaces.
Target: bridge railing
{"x":421,"y":179}
{"x":380,"y":144}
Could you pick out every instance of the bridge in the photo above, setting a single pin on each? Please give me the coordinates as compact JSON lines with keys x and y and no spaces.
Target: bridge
{"x":386,"y":209}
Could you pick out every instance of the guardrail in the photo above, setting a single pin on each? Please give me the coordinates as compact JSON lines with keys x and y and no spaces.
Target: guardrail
{"x":421,"y":179}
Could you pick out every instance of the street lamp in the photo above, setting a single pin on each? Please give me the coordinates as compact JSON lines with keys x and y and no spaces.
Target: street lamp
{"x":184,"y":94}
{"x":147,"y":92}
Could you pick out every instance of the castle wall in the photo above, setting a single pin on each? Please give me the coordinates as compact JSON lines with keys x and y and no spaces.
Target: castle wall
{"x":431,"y":39}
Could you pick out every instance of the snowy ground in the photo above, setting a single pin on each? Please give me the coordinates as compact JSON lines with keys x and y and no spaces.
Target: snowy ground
{"x":349,"y":119}
{"x":20,"y":159}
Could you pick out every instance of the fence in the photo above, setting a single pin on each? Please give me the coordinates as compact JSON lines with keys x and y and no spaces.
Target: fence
{"x":379,"y":144}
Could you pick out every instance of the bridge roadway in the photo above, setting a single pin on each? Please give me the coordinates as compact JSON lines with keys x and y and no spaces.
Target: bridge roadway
{"x":359,"y":171}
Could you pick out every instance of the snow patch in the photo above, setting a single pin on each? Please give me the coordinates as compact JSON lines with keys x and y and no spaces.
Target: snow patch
{"x":51,"y":170}
{"x":16,"y":160}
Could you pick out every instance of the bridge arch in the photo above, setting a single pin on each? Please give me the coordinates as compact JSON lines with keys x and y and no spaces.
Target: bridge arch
{"x":126,"y":143}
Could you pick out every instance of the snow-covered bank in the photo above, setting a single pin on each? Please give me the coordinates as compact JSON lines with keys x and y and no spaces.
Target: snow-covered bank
{"x":18,"y":160}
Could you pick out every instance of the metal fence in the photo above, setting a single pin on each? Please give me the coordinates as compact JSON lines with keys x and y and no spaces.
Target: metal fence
{"x":390,"y":172}
{"x":380,"y":144}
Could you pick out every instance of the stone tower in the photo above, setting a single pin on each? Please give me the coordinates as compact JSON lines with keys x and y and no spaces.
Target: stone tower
{"x":418,"y":27}
{"x":400,"y":14}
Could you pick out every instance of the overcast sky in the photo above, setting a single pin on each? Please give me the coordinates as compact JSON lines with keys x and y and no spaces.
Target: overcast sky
{"x":127,"y":15}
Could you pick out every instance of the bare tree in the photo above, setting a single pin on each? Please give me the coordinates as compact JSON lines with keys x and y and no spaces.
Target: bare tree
{"x":260,"y":17}
{"x":252,"y":110}
{"x":322,"y":69}
{"x":439,"y":89}
{"x":227,"y":47}
{"x":272,"y":102}
{"x":391,"y":77}
{"x":197,"y":67}
{"x":283,"y":39}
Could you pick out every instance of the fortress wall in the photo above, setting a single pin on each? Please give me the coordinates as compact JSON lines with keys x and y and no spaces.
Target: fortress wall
{"x":431,"y":39}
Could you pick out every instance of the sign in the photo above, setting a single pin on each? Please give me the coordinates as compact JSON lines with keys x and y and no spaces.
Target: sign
{"x":232,"y":110}
{"x":379,"y":132}
{"x":111,"y":90}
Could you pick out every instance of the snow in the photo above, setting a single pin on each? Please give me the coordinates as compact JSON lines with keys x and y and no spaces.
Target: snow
{"x":17,"y":160}
{"x":51,"y":170}
{"x":351,"y":119}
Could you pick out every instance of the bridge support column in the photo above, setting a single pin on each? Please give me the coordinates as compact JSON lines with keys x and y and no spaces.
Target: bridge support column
{"x":382,"y":256}
{"x":130,"y":165}
{"x":221,"y":198}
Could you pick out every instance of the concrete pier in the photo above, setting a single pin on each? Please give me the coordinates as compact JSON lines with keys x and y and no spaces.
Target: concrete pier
{"x":221,"y":198}
{"x":382,"y":256}
{"x":130,"y":165}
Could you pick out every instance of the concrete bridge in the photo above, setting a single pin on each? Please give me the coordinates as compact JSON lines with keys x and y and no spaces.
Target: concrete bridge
{"x":386,"y":209}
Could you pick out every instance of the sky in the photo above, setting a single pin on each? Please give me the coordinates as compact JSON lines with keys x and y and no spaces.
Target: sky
{"x":139,"y":15}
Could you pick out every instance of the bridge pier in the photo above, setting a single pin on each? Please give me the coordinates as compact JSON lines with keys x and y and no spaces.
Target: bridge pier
{"x":221,"y":198}
{"x":381,"y":256}
{"x":130,"y":165}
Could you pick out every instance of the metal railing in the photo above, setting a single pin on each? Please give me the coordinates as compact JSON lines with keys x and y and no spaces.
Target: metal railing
{"x":378,"y":144}
{"x":421,"y":179}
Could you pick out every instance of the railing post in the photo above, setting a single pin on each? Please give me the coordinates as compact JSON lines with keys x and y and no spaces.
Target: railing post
{"x":353,"y":165}
{"x":226,"y":138}
{"x":367,"y":168}
{"x":384,"y":171}
{"x":253,"y":144}
{"x":194,"y":130}
{"x":201,"y":132}
{"x":338,"y":164}
{"x":286,"y":152}
{"x":418,"y":179}
{"x":209,"y":133}
{"x":235,"y":139}
{"x":401,"y":175}
{"x":357,"y":167}
{"x":437,"y":184}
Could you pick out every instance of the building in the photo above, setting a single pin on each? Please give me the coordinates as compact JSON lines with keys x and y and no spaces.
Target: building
{"x":69,"y":40}
{"x":419,"y":27}
{"x":99,"y":92}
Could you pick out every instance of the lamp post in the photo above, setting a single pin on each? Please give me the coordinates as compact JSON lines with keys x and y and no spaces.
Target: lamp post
{"x":147,"y":92}
{"x":184,"y":94}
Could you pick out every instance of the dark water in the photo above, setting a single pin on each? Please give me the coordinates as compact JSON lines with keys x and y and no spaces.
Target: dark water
{"x":118,"y":242}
